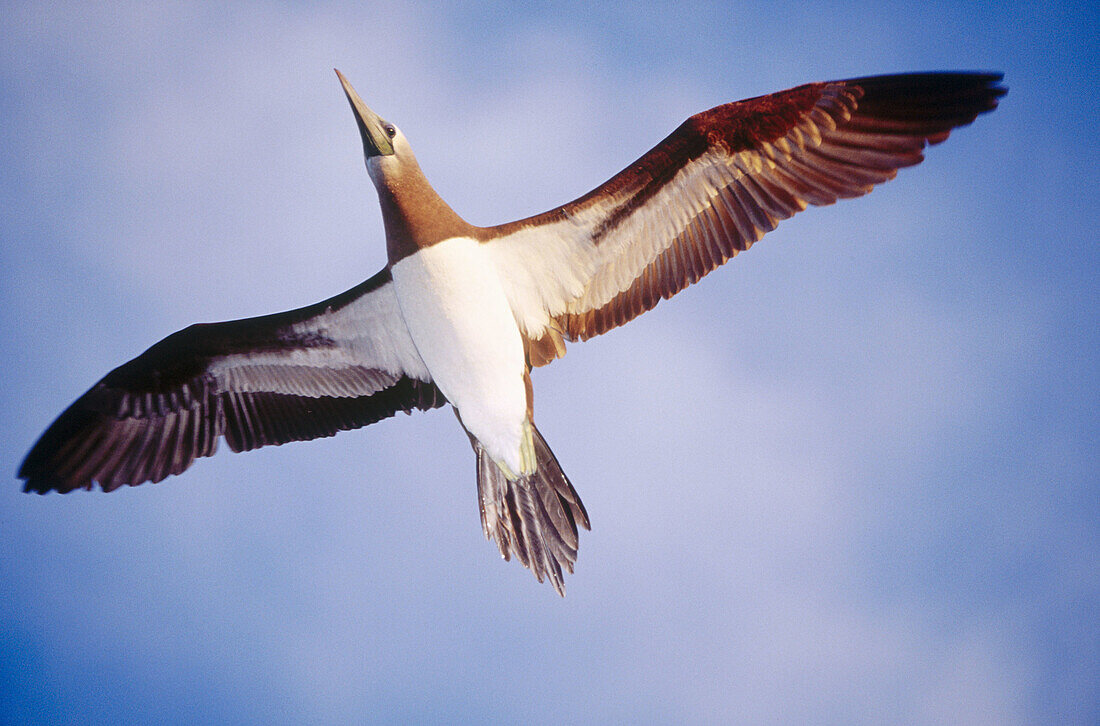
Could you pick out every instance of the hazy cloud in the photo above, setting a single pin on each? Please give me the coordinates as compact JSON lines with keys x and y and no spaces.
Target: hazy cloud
{"x":847,"y":478}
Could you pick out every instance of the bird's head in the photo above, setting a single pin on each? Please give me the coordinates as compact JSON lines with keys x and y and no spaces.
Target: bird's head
{"x":383,"y":142}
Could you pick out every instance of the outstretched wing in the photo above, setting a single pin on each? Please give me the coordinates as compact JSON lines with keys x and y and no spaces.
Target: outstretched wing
{"x":714,"y":186}
{"x":340,"y":364}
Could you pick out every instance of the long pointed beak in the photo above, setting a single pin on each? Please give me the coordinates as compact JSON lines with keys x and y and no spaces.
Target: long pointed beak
{"x":372,"y":128}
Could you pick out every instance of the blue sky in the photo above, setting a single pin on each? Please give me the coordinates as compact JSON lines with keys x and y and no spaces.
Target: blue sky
{"x":848,"y":478}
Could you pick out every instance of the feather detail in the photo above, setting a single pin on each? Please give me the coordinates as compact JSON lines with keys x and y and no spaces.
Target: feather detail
{"x":715,"y":186}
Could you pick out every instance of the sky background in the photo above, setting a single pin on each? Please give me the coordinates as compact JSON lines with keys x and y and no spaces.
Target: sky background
{"x":851,"y":477}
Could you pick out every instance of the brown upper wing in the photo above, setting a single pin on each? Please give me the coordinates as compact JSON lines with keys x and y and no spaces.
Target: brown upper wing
{"x":713,"y":187}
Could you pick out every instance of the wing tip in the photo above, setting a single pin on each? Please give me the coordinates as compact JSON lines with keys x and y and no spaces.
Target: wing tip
{"x":33,"y":487}
{"x":42,"y":484}
{"x":976,"y":90}
{"x":41,"y":480}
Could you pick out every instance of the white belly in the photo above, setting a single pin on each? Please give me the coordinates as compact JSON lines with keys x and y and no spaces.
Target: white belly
{"x":463,"y":328}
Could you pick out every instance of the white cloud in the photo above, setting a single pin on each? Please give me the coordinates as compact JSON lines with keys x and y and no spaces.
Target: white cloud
{"x":762,"y":458}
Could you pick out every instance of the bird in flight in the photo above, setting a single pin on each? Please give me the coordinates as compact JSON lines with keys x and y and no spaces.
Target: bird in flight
{"x":461,"y":314}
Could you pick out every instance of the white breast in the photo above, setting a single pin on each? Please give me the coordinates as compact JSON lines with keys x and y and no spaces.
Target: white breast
{"x":460,"y":321}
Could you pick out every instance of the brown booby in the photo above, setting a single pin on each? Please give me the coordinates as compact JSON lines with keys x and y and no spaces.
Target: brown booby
{"x":461,"y":314}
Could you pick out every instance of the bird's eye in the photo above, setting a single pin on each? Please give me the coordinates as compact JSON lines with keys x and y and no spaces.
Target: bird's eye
{"x":391,"y":130}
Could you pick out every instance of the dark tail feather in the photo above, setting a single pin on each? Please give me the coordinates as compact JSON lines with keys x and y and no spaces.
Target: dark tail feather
{"x":534,"y":517}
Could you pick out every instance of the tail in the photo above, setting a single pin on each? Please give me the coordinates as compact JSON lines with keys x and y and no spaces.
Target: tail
{"x":534,"y":516}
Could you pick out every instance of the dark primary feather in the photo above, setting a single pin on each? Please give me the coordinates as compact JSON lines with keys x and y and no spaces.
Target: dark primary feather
{"x":156,"y":414}
{"x":727,"y":176}
{"x":709,"y":190}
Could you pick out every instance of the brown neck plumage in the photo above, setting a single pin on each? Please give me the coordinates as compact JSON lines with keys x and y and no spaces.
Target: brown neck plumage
{"x":414,"y":214}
